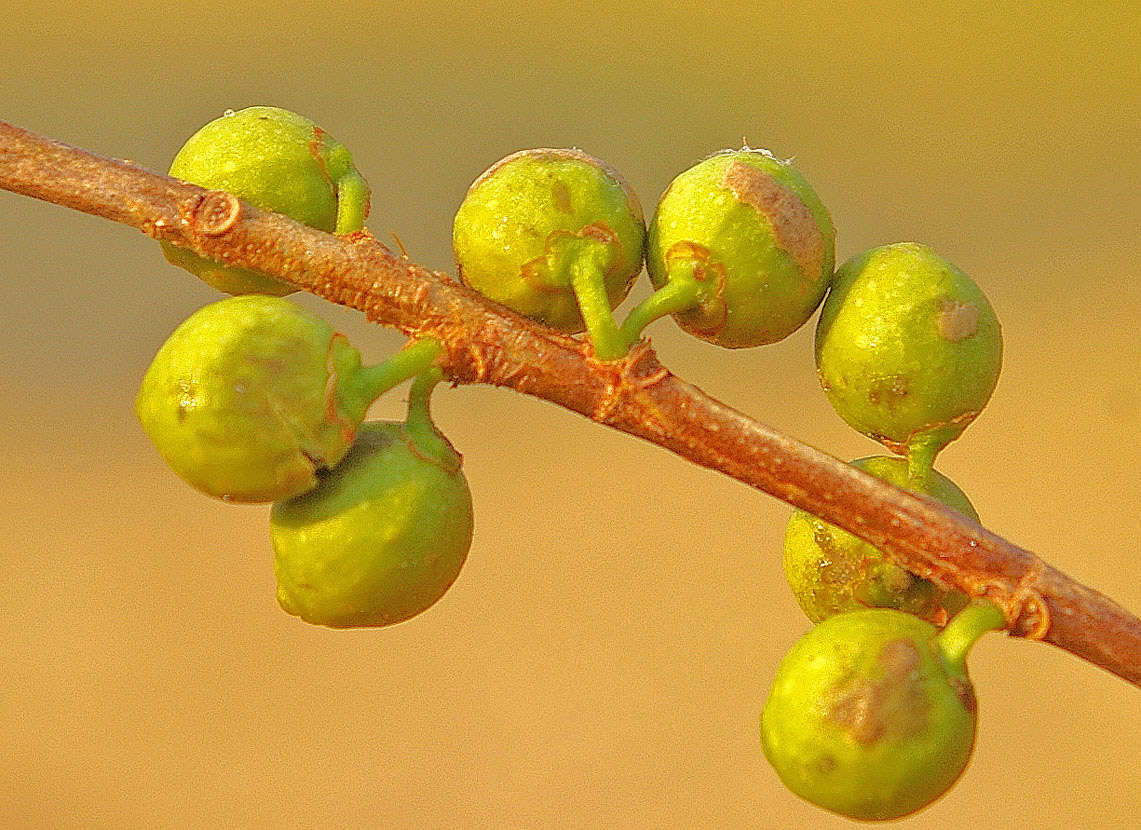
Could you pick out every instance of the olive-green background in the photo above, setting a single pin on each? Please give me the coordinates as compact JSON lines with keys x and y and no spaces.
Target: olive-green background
{"x":602,"y":660}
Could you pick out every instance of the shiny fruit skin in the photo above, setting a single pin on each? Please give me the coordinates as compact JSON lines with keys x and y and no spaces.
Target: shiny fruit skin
{"x":381,"y":538}
{"x":754,"y":225}
{"x":907,"y":346}
{"x":274,"y":159}
{"x":241,"y":400}
{"x":866,"y":719}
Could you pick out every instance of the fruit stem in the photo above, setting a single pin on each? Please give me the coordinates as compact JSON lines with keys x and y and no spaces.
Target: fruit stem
{"x":352,"y":202}
{"x":681,"y":291}
{"x":362,"y":387}
{"x":589,"y":284}
{"x":964,"y":630}
{"x":418,"y":422}
{"x":921,"y":454}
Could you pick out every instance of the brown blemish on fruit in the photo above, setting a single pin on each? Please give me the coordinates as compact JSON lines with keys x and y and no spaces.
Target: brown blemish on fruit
{"x":317,"y":146}
{"x":333,"y":415}
{"x":888,"y":391}
{"x":794,"y":227}
{"x":708,"y":318}
{"x":561,"y":195}
{"x":965,"y":691}
{"x":955,"y":320}
{"x":217,"y":213}
{"x":891,"y":700}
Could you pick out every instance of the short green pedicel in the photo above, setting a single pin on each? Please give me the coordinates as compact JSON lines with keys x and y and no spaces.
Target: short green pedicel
{"x":747,"y":246}
{"x":251,"y":396}
{"x":908,"y":349}
{"x":278,"y":161}
{"x":386,"y":532}
{"x":556,"y":235}
{"x":872,"y":714}
{"x":831,"y":571}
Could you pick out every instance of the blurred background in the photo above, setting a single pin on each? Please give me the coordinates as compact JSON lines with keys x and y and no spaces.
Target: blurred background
{"x":603,"y":658}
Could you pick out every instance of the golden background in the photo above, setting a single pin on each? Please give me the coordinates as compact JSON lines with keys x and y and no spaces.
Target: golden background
{"x":602,"y":660}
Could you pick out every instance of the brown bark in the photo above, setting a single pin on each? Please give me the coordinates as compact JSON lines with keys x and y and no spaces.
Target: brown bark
{"x":485,"y":343}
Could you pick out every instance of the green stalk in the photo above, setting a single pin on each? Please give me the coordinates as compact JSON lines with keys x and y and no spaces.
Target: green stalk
{"x":418,"y":422}
{"x":964,"y":630}
{"x":921,"y":452}
{"x":680,"y":292}
{"x":588,"y":282}
{"x":362,"y":387}
{"x":352,"y":202}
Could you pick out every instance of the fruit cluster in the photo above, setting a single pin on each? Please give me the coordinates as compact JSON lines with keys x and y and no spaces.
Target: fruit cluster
{"x":253,"y":399}
{"x":872,"y":714}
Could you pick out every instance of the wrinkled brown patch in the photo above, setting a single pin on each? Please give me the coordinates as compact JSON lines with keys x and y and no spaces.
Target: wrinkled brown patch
{"x":955,"y":320}
{"x":894,"y":700}
{"x":794,"y":226}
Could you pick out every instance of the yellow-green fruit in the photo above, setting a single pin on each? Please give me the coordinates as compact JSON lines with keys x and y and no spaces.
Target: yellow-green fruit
{"x":528,"y":214}
{"x":246,"y":400}
{"x":381,"y":539}
{"x":279,"y":161}
{"x":866,"y":718}
{"x":831,"y":570}
{"x":752,"y":226}
{"x":908,"y":349}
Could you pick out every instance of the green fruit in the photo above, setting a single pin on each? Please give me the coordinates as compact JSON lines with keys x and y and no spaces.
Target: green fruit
{"x":908,"y":349}
{"x":533,"y":218}
{"x":753,"y":230}
{"x":278,"y":161}
{"x":869,"y":717}
{"x":248,"y":398}
{"x":381,"y":539}
{"x":831,"y":570}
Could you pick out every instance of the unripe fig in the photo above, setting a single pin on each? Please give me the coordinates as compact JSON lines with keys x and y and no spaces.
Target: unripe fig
{"x":380,"y":539}
{"x":908,"y":349}
{"x":279,"y":161}
{"x":539,"y":220}
{"x":250,"y":396}
{"x":831,"y":570}
{"x":751,"y":230}
{"x":872,"y":714}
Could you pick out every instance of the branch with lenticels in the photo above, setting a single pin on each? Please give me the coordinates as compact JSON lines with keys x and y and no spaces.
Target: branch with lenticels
{"x":486,"y":343}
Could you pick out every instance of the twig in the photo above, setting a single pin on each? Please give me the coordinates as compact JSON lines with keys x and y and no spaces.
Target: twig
{"x":485,"y":343}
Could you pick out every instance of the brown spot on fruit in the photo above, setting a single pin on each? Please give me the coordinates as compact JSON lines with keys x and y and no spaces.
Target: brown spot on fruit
{"x":561,"y":195}
{"x":888,"y":391}
{"x":955,"y":320}
{"x":794,"y":227}
{"x":891,"y":700}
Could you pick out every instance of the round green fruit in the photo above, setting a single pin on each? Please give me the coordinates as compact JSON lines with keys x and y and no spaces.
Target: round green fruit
{"x":281,"y":162}
{"x":247,"y":399}
{"x":533,"y":218}
{"x":380,"y":539}
{"x":831,"y":570}
{"x":908,"y":349}
{"x":754,"y":231}
{"x":868,"y":718}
